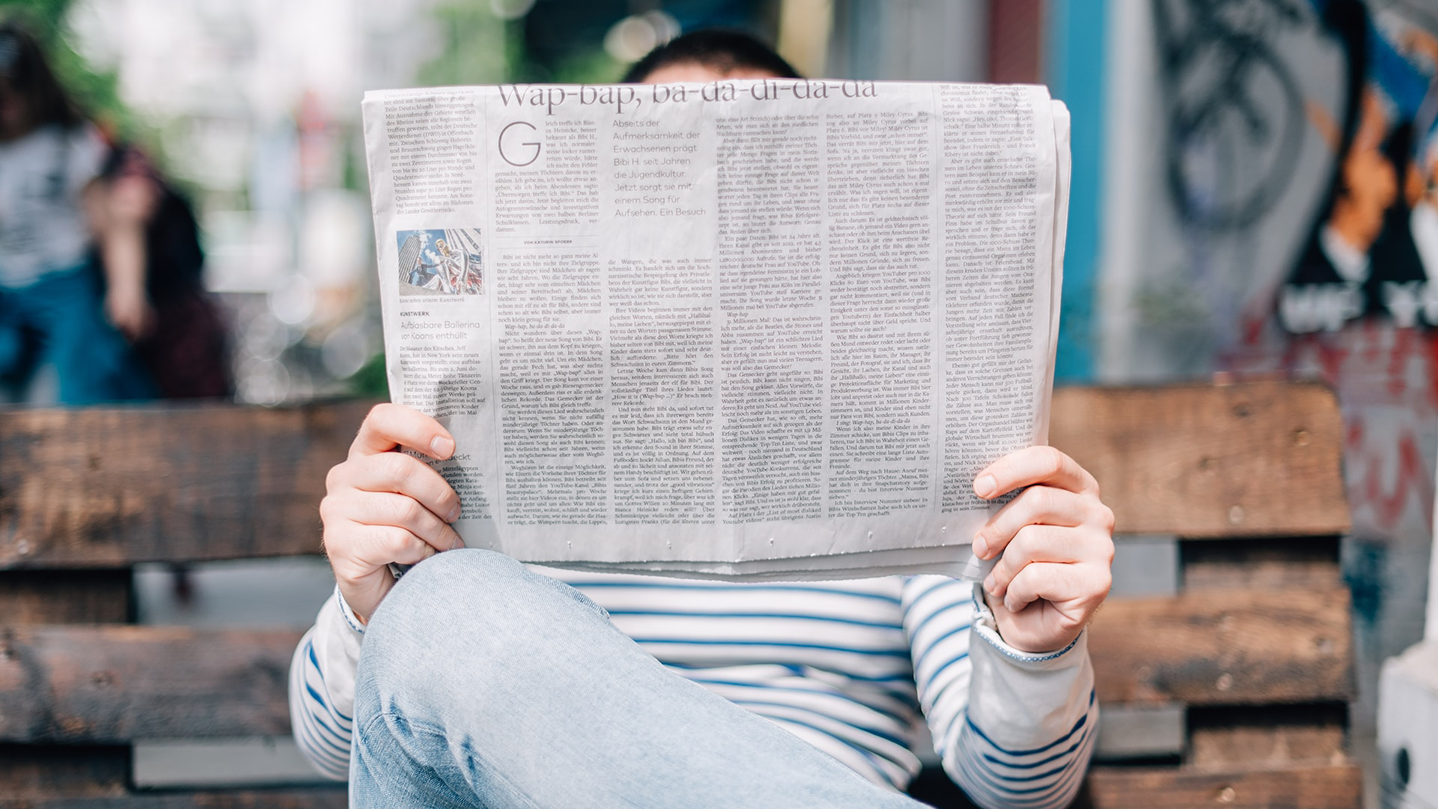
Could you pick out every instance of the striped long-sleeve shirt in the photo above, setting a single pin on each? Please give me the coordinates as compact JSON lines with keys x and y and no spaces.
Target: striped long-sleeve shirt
{"x":853,"y":667}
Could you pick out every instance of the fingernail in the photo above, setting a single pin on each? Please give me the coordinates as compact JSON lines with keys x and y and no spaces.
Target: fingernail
{"x":985,"y":486}
{"x":454,"y":514}
{"x":981,"y":546}
{"x":1009,"y":605}
{"x":442,"y":446}
{"x":458,"y":543}
{"x":989,"y":585}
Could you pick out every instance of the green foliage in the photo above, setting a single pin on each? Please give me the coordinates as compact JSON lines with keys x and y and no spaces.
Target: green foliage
{"x":370,"y":381}
{"x":478,"y":48}
{"x":95,"y":91}
{"x":475,"y":47}
{"x":592,"y":66}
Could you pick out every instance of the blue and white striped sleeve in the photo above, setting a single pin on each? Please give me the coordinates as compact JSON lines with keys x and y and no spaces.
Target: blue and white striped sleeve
{"x":322,"y":688}
{"x":1013,"y":729}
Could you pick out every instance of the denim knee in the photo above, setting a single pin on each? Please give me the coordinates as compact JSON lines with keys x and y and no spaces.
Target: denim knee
{"x":468,"y":585}
{"x":462,"y":616}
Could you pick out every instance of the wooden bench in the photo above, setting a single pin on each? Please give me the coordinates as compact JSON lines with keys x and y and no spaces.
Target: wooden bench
{"x":1245,"y":669}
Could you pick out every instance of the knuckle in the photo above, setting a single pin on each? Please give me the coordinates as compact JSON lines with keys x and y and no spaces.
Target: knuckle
{"x":333,"y":477}
{"x":1018,"y":545}
{"x":1018,"y":587}
{"x":336,"y":544}
{"x":407,"y":511}
{"x":1044,"y":499}
{"x":1001,"y":570}
{"x":1052,"y":461}
{"x":398,"y":469}
{"x":404,"y":469}
{"x":1012,"y":570}
{"x":1028,"y":538}
{"x":328,"y":505}
{"x":1105,"y":518}
{"x":394,"y":539}
{"x":1104,"y":584}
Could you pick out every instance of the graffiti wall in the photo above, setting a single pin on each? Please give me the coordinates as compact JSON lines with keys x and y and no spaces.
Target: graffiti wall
{"x":1291,"y":166}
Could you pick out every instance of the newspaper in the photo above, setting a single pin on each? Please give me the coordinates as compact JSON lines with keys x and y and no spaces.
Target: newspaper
{"x":743,"y":329}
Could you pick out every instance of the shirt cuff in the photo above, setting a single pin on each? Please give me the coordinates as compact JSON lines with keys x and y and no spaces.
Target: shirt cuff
{"x":349,"y":616}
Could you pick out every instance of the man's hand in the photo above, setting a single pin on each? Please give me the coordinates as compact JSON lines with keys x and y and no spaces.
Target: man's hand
{"x":1056,"y":541}
{"x":385,"y":506}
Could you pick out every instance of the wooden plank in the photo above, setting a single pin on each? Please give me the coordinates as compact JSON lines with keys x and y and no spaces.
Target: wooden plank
{"x":1253,"y":459}
{"x":1328,"y":787}
{"x":1225,"y":647}
{"x":334,"y":797}
{"x":66,"y":597}
{"x":43,"y":596}
{"x":1271,"y":736}
{"x":32,"y":771}
{"x":106,"y":488}
{"x":110,"y":487}
{"x":1307,"y":563}
{"x":114,"y":684}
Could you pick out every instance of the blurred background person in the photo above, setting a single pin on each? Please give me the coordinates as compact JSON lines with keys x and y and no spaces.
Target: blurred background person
{"x":178,"y":331}
{"x":52,"y":315}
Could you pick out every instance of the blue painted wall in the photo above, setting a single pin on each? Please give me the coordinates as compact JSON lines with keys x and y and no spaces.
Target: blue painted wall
{"x":1074,"y":68}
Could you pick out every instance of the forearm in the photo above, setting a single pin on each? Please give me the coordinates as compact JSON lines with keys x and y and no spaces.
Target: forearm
{"x":1031,"y":723}
{"x":120,"y":210}
{"x":122,"y":249}
{"x":322,"y":690}
{"x":1012,"y":729}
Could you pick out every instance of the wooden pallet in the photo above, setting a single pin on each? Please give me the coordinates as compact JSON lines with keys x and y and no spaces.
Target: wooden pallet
{"x":1253,"y":653}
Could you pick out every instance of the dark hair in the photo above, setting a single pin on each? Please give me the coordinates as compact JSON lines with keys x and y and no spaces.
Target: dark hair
{"x":22,"y":63}
{"x":715,"y":48}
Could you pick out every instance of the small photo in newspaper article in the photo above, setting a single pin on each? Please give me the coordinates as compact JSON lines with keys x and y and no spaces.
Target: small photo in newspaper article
{"x":440,"y":261}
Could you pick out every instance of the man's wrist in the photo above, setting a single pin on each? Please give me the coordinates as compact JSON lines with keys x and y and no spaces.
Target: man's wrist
{"x":351,"y":617}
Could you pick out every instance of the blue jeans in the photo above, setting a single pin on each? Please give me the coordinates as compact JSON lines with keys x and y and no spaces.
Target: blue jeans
{"x":58,"y":321}
{"x":481,"y":683}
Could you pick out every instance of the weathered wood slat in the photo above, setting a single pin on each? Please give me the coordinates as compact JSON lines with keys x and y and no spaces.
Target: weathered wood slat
{"x":1328,"y":787}
{"x":1272,"y":736}
{"x":1254,"y":459}
{"x":106,"y":488}
{"x":305,"y":798}
{"x":32,"y":771}
{"x":1306,"y":563}
{"x":115,"y":684}
{"x":66,"y":597}
{"x":84,"y":597}
{"x":111,"y":487}
{"x":1225,"y":647}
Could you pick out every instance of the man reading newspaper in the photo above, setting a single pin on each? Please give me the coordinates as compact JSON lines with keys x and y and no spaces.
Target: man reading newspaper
{"x":475,"y":681}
